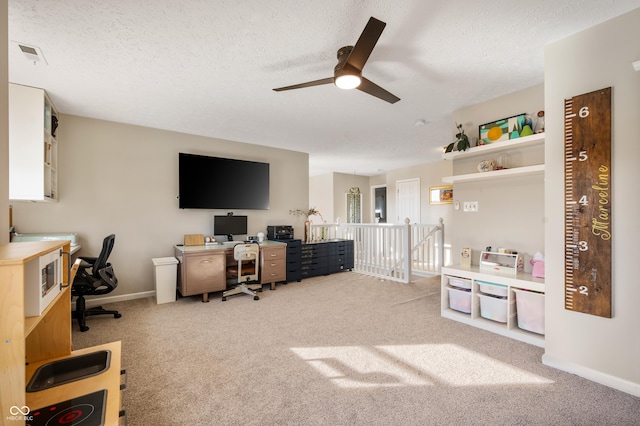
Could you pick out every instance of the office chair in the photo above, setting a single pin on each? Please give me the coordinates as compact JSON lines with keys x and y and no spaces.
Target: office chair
{"x":94,"y":277}
{"x":246,"y":270}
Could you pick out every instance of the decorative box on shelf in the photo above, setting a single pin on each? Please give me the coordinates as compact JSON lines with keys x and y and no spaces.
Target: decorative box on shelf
{"x":499,"y":262}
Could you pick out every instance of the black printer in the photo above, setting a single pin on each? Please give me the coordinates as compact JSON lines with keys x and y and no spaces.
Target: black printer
{"x":280,"y":232}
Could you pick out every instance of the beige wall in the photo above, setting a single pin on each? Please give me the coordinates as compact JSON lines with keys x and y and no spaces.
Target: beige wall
{"x":327,"y":193}
{"x":321,"y":197}
{"x":123,"y":179}
{"x":511,"y":212}
{"x":4,"y":124}
{"x":606,"y":350}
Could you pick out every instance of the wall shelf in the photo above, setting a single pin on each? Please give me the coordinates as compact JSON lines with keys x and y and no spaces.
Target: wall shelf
{"x":496,"y":174}
{"x":525,"y":141}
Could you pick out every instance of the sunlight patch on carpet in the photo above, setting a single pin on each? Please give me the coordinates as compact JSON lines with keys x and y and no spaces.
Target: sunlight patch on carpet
{"x":413,"y":365}
{"x":358,"y":367}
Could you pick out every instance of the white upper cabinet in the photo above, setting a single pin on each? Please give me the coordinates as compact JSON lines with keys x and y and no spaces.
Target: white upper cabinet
{"x":33,"y":146}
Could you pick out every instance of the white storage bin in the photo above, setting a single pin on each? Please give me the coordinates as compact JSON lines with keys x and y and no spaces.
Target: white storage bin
{"x":459,"y":282}
{"x":493,"y":308}
{"x":530,"y":307}
{"x":460,"y":300}
{"x":165,"y":274}
{"x":494,"y":289}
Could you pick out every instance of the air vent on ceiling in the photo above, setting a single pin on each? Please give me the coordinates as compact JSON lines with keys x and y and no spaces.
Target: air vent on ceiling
{"x":33,"y":53}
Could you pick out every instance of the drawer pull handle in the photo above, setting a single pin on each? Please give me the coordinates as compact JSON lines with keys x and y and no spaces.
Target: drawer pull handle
{"x":205,"y":261}
{"x":273,"y":255}
{"x":274,"y":264}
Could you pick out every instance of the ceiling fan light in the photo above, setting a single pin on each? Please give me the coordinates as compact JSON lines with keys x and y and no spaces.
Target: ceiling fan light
{"x":347,"y":81}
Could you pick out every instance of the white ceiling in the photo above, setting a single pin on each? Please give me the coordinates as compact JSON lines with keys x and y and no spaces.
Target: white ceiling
{"x":208,"y":67}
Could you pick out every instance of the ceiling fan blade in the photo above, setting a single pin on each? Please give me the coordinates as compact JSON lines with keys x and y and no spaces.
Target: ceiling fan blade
{"x":373,"y":89}
{"x":307,"y":84}
{"x":365,"y":44}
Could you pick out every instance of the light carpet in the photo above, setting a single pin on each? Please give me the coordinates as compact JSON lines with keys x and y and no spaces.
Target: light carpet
{"x":344,"y":349}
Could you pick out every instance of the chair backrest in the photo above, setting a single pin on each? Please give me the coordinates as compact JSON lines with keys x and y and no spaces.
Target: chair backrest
{"x":244,"y":253}
{"x":101,"y":261}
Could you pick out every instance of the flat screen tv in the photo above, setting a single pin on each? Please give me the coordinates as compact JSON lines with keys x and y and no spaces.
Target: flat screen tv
{"x":222,"y":183}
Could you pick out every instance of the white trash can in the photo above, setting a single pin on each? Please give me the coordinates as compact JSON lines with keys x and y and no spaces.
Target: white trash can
{"x":165,"y":274}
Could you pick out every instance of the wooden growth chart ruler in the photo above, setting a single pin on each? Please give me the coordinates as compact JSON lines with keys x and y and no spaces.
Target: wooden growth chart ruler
{"x":587,"y":185}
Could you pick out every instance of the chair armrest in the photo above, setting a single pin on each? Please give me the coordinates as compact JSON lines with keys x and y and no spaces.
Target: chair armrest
{"x":88,"y":259}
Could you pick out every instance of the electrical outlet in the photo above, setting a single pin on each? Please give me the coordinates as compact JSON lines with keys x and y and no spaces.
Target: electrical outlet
{"x":470,"y":206}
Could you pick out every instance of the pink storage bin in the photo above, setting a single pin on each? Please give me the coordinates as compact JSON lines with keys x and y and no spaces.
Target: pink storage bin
{"x":538,"y":269}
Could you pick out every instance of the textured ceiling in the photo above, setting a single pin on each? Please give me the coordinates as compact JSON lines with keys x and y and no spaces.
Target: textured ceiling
{"x":208,"y":67}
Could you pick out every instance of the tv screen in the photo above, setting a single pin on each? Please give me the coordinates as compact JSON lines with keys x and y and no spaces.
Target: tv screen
{"x":222,"y":183}
{"x":229,"y":225}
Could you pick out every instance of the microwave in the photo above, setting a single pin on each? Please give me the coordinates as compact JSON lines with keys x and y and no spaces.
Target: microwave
{"x":43,"y":282}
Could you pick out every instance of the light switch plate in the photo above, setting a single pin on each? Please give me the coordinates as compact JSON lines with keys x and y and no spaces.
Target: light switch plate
{"x":470,"y":206}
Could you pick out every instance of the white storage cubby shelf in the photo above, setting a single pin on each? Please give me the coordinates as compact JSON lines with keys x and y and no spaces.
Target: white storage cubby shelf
{"x":476,"y":277}
{"x":477,"y":151}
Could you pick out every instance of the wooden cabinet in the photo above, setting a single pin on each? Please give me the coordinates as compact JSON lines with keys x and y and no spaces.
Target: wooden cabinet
{"x":40,"y":339}
{"x":202,"y":270}
{"x":33,"y":145}
{"x":273,"y":264}
{"x":34,"y":338}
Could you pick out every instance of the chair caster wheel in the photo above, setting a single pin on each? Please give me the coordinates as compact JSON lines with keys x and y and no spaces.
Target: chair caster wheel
{"x":224,"y":299}
{"x":256,"y":298}
{"x":84,"y":328}
{"x":117,"y":315}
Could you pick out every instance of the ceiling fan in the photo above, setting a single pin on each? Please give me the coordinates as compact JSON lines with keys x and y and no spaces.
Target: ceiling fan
{"x":351,"y":60}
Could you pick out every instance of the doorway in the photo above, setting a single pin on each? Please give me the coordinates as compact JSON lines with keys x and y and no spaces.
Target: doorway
{"x":379,"y":204}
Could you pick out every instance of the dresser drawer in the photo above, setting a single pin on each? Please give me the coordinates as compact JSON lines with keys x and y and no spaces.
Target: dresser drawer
{"x":274,"y":271}
{"x":202,"y":273}
{"x":273,"y":264}
{"x":274,"y":253}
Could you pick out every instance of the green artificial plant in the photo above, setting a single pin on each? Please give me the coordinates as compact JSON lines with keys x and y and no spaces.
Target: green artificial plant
{"x":461,"y":142}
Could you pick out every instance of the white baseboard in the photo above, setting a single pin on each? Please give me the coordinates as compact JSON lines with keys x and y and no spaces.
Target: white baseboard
{"x":593,"y":375}
{"x":91,"y":302}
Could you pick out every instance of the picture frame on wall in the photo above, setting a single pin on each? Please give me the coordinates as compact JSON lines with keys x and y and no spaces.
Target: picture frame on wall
{"x":441,"y":194}
{"x":502,"y":130}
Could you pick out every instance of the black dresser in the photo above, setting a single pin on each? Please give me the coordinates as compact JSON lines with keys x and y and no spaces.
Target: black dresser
{"x":294,"y":253}
{"x":326,"y":257}
{"x":305,"y":260}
